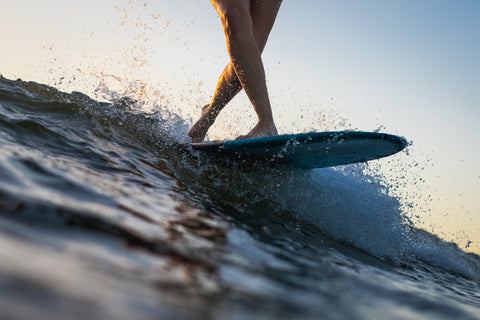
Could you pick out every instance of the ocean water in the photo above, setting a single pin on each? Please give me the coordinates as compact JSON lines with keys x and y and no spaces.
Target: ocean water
{"x":104,"y":215}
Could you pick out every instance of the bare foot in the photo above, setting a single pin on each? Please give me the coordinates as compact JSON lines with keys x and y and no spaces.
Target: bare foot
{"x":262,"y":129}
{"x":199,"y":130}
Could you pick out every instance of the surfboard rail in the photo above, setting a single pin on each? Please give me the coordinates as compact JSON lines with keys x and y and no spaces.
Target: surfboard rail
{"x":311,"y":150}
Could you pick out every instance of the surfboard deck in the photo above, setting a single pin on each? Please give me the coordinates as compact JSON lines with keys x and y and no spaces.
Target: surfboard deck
{"x":309,"y":150}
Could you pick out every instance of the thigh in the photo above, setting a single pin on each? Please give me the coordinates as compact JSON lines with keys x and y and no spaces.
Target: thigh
{"x":263,"y":13}
{"x":223,"y":7}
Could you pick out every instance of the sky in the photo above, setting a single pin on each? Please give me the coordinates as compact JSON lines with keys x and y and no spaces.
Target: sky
{"x":404,"y":67}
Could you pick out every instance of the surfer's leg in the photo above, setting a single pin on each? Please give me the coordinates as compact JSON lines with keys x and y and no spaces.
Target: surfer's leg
{"x":261,"y":17}
{"x":228,"y":86}
{"x":246,"y":60}
{"x":263,"y":14}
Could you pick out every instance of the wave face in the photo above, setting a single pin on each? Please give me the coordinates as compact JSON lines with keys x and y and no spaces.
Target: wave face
{"x":105,"y":214}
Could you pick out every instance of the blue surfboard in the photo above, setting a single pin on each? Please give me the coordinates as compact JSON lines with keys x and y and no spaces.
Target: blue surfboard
{"x":309,"y":150}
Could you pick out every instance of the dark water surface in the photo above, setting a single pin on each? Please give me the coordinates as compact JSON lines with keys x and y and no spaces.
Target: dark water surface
{"x":104,"y":216}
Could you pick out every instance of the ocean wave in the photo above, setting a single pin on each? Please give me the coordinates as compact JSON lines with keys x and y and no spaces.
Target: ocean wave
{"x":55,"y":142}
